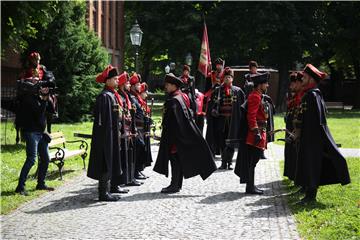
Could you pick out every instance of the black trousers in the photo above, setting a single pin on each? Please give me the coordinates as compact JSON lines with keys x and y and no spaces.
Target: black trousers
{"x":253,"y":157}
{"x":176,"y":172}
{"x":200,"y":122}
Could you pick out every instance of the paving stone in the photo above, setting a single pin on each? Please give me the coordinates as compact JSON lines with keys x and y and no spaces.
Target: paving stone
{"x":213,"y":209}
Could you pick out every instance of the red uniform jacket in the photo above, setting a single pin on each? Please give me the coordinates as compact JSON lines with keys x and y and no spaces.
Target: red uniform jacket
{"x":200,"y":103}
{"x":257,"y":117}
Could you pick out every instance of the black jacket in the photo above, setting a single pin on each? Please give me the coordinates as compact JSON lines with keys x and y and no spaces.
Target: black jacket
{"x":192,"y":150}
{"x":31,"y":113}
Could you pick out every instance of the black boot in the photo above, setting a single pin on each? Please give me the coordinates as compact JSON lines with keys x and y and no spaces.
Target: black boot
{"x":118,"y":189}
{"x":176,"y":177}
{"x":223,"y":165}
{"x":262,"y":156}
{"x":229,"y":166}
{"x":301,"y":190}
{"x":104,"y":192}
{"x":142,"y":174}
{"x":310,"y":196}
{"x":139,"y":176}
{"x":250,"y":186}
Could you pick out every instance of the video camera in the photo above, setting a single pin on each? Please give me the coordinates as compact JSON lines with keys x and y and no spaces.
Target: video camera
{"x":28,"y":86}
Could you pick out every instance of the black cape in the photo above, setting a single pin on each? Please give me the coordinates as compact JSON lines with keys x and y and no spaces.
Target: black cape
{"x":140,"y":145}
{"x":270,"y":121}
{"x":237,"y":138}
{"x":105,"y":153}
{"x":319,"y":161}
{"x":290,"y":148}
{"x":212,"y":135}
{"x":192,"y":150}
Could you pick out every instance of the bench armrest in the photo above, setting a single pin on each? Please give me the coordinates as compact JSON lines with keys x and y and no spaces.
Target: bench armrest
{"x":83,"y":144}
{"x":59,"y":154}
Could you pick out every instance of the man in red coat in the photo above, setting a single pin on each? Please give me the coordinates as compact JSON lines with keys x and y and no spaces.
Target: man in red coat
{"x":255,"y":142}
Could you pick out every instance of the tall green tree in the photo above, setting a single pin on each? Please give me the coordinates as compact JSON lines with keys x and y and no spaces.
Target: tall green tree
{"x":75,"y":55}
{"x":276,"y":34}
{"x":21,"y":20}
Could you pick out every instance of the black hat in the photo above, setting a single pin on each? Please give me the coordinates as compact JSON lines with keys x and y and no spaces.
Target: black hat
{"x":171,"y":78}
{"x":228,"y":71}
{"x":293,"y":77}
{"x":218,"y":61}
{"x":260,"y":78}
{"x":112,"y":73}
{"x":253,"y":64}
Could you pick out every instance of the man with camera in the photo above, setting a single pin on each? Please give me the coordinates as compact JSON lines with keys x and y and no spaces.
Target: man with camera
{"x":33,"y":105}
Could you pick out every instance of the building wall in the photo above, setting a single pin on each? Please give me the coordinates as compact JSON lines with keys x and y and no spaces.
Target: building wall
{"x":106,"y":18}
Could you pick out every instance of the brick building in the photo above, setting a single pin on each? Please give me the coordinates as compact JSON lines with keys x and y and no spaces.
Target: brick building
{"x":106,"y":18}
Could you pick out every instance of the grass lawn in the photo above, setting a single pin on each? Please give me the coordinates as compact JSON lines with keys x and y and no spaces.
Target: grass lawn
{"x":13,"y":157}
{"x":336,"y":215}
{"x":344,"y":127}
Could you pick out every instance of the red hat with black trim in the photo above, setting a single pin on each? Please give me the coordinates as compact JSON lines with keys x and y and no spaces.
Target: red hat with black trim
{"x":228,"y":71}
{"x":314,"y":72}
{"x":109,"y":72}
{"x":171,"y":78}
{"x":123,"y":78}
{"x":135,"y":78}
{"x":143,"y":87}
{"x":34,"y":55}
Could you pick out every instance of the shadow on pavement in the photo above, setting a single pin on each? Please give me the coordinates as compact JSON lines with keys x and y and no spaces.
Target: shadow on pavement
{"x":153,"y":196}
{"x":274,"y":204}
{"x":83,"y":198}
{"x":223,"y":197}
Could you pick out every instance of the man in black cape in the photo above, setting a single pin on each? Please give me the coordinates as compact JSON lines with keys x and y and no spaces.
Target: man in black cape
{"x":105,"y":160}
{"x":188,"y":88}
{"x":216,"y":78}
{"x":230,"y":97}
{"x":181,"y":140}
{"x":319,"y":161}
{"x":139,"y":121}
{"x":293,"y":102}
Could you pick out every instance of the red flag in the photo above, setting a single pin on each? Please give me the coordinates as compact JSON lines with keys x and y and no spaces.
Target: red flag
{"x":205,"y":60}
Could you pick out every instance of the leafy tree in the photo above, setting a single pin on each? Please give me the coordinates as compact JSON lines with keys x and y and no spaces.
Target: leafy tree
{"x":23,"y":19}
{"x":75,"y":55}
{"x":277,"y":34}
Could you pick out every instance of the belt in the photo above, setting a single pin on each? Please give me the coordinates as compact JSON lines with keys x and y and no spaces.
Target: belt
{"x":262,"y":124}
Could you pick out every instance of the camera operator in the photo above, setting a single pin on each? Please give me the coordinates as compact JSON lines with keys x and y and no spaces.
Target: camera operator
{"x":33,"y":106}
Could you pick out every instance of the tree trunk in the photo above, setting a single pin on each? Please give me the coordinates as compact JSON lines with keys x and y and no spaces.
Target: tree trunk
{"x":284,"y":68}
{"x":356,"y":63}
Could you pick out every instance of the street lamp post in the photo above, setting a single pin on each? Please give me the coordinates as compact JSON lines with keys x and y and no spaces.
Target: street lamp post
{"x":188,"y":59}
{"x":172,"y":67}
{"x":136,"y":37}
